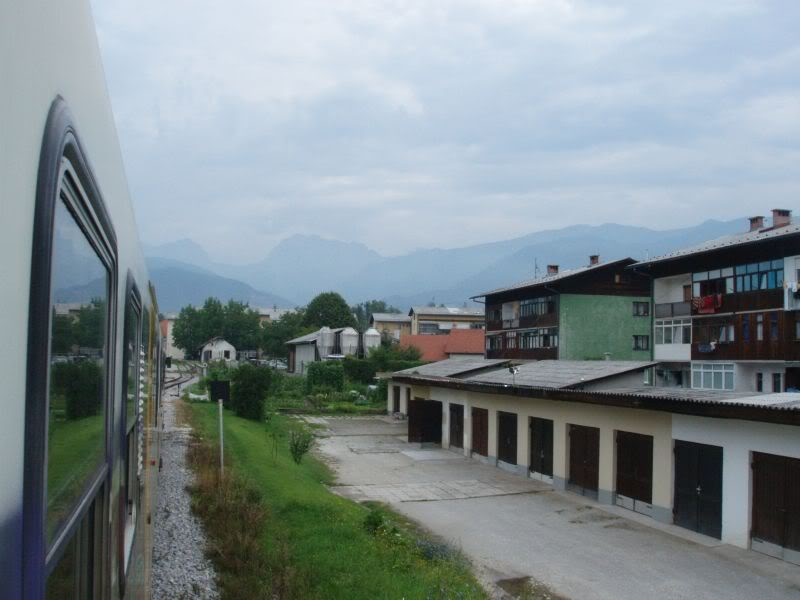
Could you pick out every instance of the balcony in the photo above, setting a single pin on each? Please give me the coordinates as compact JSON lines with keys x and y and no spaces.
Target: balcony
{"x":524,"y":354}
{"x":666,"y":310}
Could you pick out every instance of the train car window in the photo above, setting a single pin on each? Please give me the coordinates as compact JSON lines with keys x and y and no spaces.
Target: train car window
{"x":76,"y":431}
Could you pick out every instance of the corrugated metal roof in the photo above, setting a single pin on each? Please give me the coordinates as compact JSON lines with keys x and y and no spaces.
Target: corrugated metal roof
{"x":727,"y":241}
{"x":561,"y":373}
{"x":305,"y":339}
{"x":446,"y":311}
{"x":451,"y":367}
{"x":553,"y":278}
{"x":390,"y":317}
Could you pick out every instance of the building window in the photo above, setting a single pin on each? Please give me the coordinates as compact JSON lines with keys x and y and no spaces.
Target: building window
{"x":511,"y":340}
{"x":709,"y":331}
{"x":773,"y":327}
{"x":227,"y":354}
{"x":673,"y":331}
{"x":641,"y":309}
{"x":766,"y":275}
{"x":777,"y":382}
{"x":712,"y":376}
{"x":543,"y":337}
{"x":494,"y":342}
{"x":759,"y":382}
{"x":746,"y":328}
{"x":641,"y":342}
{"x":537,"y":306}
{"x":494,"y":314}
{"x":760,"y":328}
{"x":717,"y":281}
{"x":797,"y":329}
{"x":429,"y":328}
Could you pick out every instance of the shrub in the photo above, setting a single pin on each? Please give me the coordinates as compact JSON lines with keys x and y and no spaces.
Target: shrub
{"x":359,"y":369}
{"x":374,"y":521}
{"x":300,"y":442}
{"x":249,"y":391}
{"x":330,"y":374}
{"x":379,"y":394}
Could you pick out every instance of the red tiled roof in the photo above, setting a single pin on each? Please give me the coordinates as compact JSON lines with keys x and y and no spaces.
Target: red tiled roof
{"x":440,"y":347}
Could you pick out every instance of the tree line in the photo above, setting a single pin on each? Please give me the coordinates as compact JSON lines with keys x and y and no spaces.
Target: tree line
{"x":240,"y":325}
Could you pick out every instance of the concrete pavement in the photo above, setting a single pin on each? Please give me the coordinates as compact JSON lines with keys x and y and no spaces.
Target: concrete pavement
{"x":512,"y":527}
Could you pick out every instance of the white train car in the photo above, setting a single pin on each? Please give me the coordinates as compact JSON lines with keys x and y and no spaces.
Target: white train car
{"x":81,"y":360}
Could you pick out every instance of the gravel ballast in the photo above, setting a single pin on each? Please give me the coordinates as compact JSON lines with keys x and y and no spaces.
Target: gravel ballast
{"x":180,"y":567}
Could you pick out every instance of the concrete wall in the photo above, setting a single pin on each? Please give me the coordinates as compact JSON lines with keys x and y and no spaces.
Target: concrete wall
{"x":171,"y":349}
{"x":305,"y":354}
{"x":592,"y":325}
{"x":607,"y":419}
{"x":744,"y":377}
{"x":739,"y":439}
{"x":670,"y":289}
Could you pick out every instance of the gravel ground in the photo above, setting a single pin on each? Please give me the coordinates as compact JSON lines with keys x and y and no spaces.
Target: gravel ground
{"x":180,"y":568}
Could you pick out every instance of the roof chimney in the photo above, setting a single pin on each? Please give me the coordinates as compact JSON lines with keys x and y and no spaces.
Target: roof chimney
{"x":552,"y":269}
{"x":781,"y":217}
{"x":756,"y":223}
{"x":594,"y":259}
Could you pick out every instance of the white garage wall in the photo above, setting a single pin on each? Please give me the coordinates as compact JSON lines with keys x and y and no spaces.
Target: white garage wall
{"x":739,"y":439}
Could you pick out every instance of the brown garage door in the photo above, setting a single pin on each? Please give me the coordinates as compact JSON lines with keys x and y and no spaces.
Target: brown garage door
{"x":456,"y":425}
{"x":776,"y":505}
{"x":635,"y":466}
{"x":542,"y":446}
{"x":425,"y":421}
{"x":584,"y":459}
{"x":396,"y":399}
{"x":480,"y":431}
{"x":507,"y":437}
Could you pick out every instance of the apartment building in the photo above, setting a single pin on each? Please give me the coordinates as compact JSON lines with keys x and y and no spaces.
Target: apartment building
{"x":726,"y":310}
{"x":600,"y":311}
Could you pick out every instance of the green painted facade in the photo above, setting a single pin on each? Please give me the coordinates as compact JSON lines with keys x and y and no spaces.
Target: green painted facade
{"x":590,"y":326}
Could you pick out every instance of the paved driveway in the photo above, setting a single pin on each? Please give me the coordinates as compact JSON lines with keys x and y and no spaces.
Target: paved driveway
{"x":512,"y":527}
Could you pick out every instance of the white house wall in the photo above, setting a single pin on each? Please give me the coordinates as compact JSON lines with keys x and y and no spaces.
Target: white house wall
{"x":744,"y":377}
{"x":305,"y":354}
{"x":670,"y":289}
{"x":739,"y":439}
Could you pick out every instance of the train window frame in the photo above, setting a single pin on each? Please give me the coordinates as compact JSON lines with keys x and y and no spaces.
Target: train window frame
{"x":62,"y":161}
{"x":129,"y":498}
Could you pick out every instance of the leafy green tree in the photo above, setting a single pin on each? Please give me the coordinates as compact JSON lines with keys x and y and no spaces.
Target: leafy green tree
{"x":188,"y":332}
{"x":387,"y":358}
{"x":329,"y":309}
{"x":242,"y":326}
{"x":212,"y":322}
{"x":89,"y":327}
{"x":276,"y":333}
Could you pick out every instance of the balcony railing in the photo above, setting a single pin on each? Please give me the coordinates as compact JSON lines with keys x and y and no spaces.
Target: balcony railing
{"x":673,"y":309}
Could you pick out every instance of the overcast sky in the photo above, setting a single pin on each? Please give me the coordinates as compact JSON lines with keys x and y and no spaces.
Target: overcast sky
{"x":405,"y":125}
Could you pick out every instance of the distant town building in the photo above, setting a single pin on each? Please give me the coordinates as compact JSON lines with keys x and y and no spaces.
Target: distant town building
{"x":391,"y":326}
{"x":329,"y":344}
{"x":170,"y":349}
{"x":218,"y":349}
{"x":270,"y":315}
{"x":458,"y":343}
{"x":439,"y":320}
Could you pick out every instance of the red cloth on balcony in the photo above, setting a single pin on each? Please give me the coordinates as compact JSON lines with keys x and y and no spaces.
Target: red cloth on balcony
{"x":707,"y":305}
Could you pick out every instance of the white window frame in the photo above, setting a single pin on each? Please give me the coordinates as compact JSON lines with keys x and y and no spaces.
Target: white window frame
{"x":674,"y":327}
{"x":716,"y":376}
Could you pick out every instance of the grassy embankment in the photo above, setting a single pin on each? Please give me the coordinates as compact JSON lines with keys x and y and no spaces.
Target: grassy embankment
{"x":277,"y":532}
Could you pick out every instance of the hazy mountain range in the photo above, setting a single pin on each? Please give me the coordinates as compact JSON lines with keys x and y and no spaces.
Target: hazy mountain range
{"x":301,"y":266}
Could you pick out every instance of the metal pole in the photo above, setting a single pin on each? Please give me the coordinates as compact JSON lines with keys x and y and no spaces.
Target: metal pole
{"x":221,"y":441}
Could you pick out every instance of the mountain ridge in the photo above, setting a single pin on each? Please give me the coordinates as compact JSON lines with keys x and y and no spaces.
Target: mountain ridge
{"x":301,"y":266}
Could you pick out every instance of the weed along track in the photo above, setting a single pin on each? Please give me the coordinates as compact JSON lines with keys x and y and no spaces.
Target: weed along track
{"x":277,"y":531}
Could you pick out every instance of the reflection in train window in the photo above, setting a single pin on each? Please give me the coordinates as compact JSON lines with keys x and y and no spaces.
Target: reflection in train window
{"x":76,"y":415}
{"x":131,"y":450}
